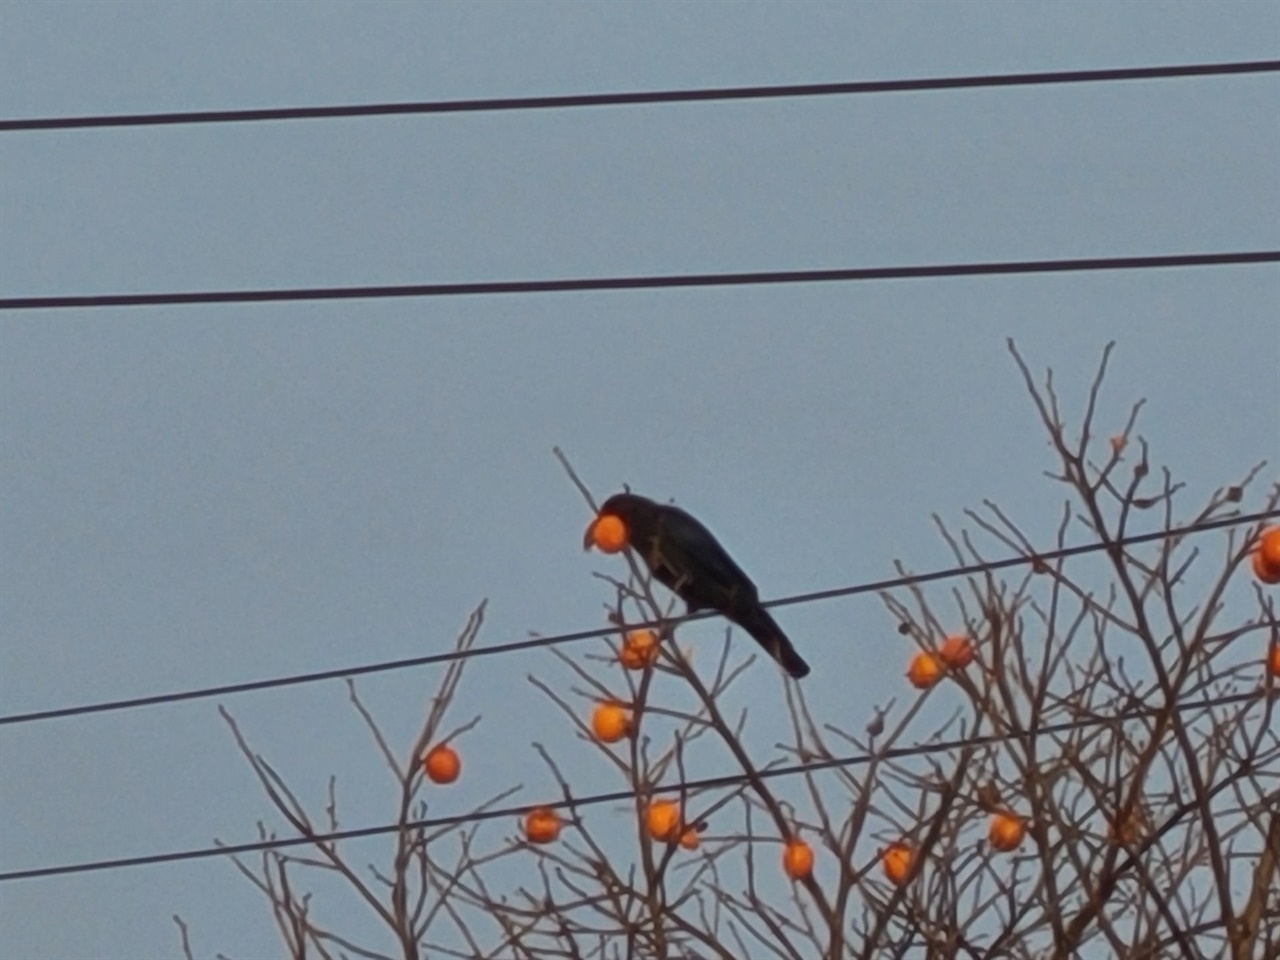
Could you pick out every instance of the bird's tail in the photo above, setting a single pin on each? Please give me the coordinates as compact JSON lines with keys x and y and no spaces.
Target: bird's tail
{"x":757,"y":622}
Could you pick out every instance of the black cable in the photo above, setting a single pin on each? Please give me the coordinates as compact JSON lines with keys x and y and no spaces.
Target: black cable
{"x":655,"y":96}
{"x":452,"y":655}
{"x":727,"y":780}
{"x":643,"y":283}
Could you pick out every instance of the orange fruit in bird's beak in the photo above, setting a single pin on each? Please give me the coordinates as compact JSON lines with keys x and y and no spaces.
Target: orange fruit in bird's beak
{"x":607,"y":533}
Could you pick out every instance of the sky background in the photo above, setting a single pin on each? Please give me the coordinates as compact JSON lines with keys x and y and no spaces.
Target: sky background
{"x":200,"y":495}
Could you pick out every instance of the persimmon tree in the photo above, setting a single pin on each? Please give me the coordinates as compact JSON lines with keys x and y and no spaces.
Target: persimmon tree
{"x":1084,"y":761}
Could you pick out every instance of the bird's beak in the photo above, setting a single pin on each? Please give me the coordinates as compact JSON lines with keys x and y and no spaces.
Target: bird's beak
{"x":587,"y":537}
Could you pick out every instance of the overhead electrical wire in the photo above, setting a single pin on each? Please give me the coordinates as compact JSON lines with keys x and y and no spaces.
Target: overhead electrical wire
{"x":643,"y":282}
{"x":700,"y":95}
{"x":534,"y":642}
{"x":706,"y":783}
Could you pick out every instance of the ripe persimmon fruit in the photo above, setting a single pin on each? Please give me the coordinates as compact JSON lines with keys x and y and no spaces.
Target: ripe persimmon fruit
{"x":541,"y":825}
{"x":1261,"y":570}
{"x":639,"y":649}
{"x":1269,"y":546}
{"x":925,"y":670}
{"x":442,"y":764}
{"x":662,"y":819}
{"x":1266,"y":556}
{"x":610,"y":722}
{"x":957,"y":651}
{"x":607,"y":533}
{"x":1006,"y":832}
{"x":896,"y":861}
{"x":690,"y":839}
{"x":797,"y":859}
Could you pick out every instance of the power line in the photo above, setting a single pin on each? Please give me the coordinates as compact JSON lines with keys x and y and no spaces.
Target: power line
{"x":533,"y":642}
{"x":644,"y":282}
{"x":706,"y":783}
{"x":642,"y":97}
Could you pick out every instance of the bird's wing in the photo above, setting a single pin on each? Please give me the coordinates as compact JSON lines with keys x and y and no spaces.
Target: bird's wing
{"x":691,"y":561}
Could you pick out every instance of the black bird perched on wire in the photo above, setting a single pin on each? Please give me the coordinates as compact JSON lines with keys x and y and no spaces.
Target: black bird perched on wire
{"x":683,"y":555}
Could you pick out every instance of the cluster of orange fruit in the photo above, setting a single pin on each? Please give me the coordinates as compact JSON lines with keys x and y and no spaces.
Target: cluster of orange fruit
{"x":927,"y":667}
{"x":1005,"y":833}
{"x":442,"y":765}
{"x":957,"y":651}
{"x":611,"y":722}
{"x":665,"y":822}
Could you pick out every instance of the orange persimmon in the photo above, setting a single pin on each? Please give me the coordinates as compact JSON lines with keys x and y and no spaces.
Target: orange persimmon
{"x":1269,"y":546}
{"x":662,"y":818}
{"x":1006,"y":831}
{"x":639,"y":649}
{"x":541,"y":825}
{"x":925,"y":670}
{"x":1261,"y":570}
{"x":689,"y":839}
{"x":956,"y":651}
{"x":1273,"y":659}
{"x":1266,"y":556}
{"x":610,"y":722}
{"x":896,"y":861}
{"x":797,"y":859}
{"x":607,"y":533}
{"x":441,"y":764}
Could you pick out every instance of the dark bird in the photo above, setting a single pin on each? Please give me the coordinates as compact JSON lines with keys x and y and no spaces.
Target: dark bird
{"x":683,"y":555}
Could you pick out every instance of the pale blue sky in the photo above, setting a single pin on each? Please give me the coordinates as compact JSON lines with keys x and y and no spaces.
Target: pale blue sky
{"x":202,"y":495}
